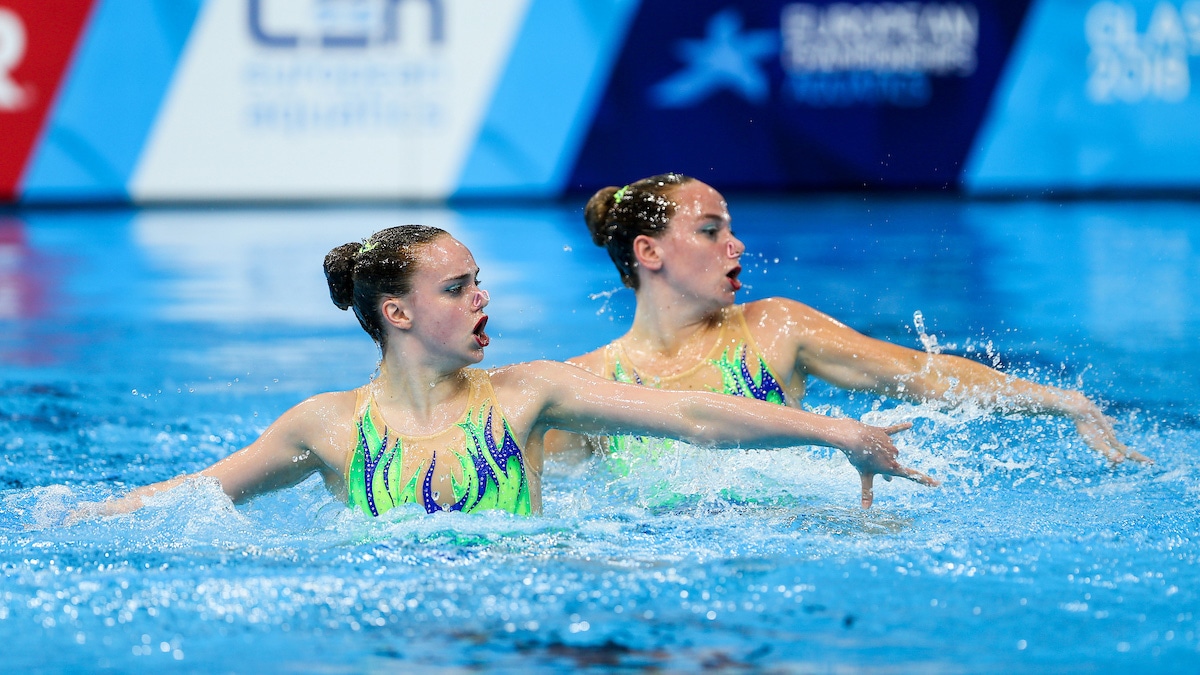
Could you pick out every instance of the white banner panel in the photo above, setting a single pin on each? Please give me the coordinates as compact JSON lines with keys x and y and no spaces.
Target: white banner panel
{"x":314,"y":99}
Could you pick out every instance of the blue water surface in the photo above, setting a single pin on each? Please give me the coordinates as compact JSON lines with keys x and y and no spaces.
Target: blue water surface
{"x":137,"y":345}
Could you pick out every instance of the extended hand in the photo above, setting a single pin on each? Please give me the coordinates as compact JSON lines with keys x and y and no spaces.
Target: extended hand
{"x":1097,"y":431}
{"x":874,"y":454}
{"x":84,"y":511}
{"x":93,"y":510}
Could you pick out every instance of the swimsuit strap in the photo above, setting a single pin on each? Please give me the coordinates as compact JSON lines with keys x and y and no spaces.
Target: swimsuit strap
{"x":361,"y":401}
{"x":736,"y":364}
{"x":480,"y":388}
{"x":722,"y":334}
{"x":739,"y":330}
{"x":738,"y":318}
{"x":616,"y":368}
{"x":610,"y":359}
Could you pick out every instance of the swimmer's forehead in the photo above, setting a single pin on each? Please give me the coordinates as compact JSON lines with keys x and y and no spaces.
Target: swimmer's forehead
{"x":449,"y":260}
{"x":698,"y":200}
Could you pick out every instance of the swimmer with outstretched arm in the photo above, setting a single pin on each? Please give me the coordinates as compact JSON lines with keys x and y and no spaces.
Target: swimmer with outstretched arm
{"x":431,"y":430}
{"x":670,"y":239}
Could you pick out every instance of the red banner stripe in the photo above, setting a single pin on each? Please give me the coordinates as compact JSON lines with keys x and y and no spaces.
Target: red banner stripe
{"x":37,"y":39}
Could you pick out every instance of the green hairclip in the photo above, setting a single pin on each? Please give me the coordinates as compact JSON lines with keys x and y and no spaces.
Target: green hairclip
{"x":367,"y":246}
{"x":620,"y":194}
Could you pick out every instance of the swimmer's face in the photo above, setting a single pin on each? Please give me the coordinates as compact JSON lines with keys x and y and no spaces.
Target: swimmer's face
{"x":447,"y":303}
{"x":699,"y":251}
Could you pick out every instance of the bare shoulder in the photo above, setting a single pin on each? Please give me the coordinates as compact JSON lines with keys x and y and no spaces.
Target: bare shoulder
{"x":321,"y":413}
{"x":542,"y":380}
{"x":332,"y":402}
{"x":525,"y":390}
{"x":777,"y":312}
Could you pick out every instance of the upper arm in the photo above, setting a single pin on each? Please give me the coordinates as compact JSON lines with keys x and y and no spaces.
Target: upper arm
{"x":844,"y":357}
{"x":285,"y":454}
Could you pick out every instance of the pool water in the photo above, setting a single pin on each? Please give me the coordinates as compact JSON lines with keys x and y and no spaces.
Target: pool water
{"x":136,"y":345}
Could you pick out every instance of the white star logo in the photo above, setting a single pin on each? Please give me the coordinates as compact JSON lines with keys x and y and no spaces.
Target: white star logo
{"x":725,"y":59}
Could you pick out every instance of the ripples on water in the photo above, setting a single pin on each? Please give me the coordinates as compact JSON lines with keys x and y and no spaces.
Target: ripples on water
{"x":1034,"y":555}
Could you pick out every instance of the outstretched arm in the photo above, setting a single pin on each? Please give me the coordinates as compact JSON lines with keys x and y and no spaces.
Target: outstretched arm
{"x":564,"y":443}
{"x":846,"y":358}
{"x":279,"y":458}
{"x":577,"y":401}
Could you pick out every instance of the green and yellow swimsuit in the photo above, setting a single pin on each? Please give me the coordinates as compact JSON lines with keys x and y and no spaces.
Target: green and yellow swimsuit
{"x":472,"y":465}
{"x":733,"y":366}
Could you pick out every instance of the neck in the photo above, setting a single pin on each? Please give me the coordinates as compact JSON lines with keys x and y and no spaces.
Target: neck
{"x":665,"y":321}
{"x":414,"y":387}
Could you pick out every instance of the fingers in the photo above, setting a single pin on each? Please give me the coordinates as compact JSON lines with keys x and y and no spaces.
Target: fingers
{"x":892,"y":467}
{"x":868,"y":482}
{"x":898,"y":469}
{"x":920,"y":477}
{"x":1138,"y":457}
{"x":1123,"y":451}
{"x":881,"y":461}
{"x":1099,"y":436}
{"x":1097,"y":431}
{"x":82,"y":511}
{"x":895,"y":468}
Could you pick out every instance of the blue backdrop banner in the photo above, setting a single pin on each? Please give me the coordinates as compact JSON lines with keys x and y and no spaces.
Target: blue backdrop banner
{"x":801,"y":95}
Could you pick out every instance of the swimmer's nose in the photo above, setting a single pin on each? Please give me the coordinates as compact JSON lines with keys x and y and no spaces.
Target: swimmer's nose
{"x":735,"y":247}
{"x":481,"y":299}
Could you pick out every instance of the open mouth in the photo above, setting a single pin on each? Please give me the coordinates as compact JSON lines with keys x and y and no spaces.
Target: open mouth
{"x":481,"y":338}
{"x":733,"y":277}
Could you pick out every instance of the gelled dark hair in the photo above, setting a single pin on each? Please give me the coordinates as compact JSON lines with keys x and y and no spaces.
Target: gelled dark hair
{"x":645,"y":207}
{"x":360,"y":275}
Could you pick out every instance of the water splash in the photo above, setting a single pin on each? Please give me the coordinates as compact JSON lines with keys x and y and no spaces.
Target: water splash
{"x":607,"y":296}
{"x":928,"y":342}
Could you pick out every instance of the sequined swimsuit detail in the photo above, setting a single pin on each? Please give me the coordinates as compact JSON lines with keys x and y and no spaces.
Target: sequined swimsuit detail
{"x":733,"y":366}
{"x":472,"y":465}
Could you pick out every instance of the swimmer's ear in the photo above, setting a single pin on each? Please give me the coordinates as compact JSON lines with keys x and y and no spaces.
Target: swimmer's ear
{"x":396,"y":312}
{"x":646,"y":252}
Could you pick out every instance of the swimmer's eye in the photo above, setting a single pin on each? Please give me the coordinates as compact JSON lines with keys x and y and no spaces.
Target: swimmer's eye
{"x":710,"y":231}
{"x":457,"y":288}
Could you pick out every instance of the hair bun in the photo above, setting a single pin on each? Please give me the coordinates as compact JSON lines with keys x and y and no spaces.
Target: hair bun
{"x":595,"y":214}
{"x":339,"y":274}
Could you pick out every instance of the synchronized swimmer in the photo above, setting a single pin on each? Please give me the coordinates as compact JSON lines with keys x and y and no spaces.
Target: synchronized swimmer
{"x":671,"y":241}
{"x":431,"y":430}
